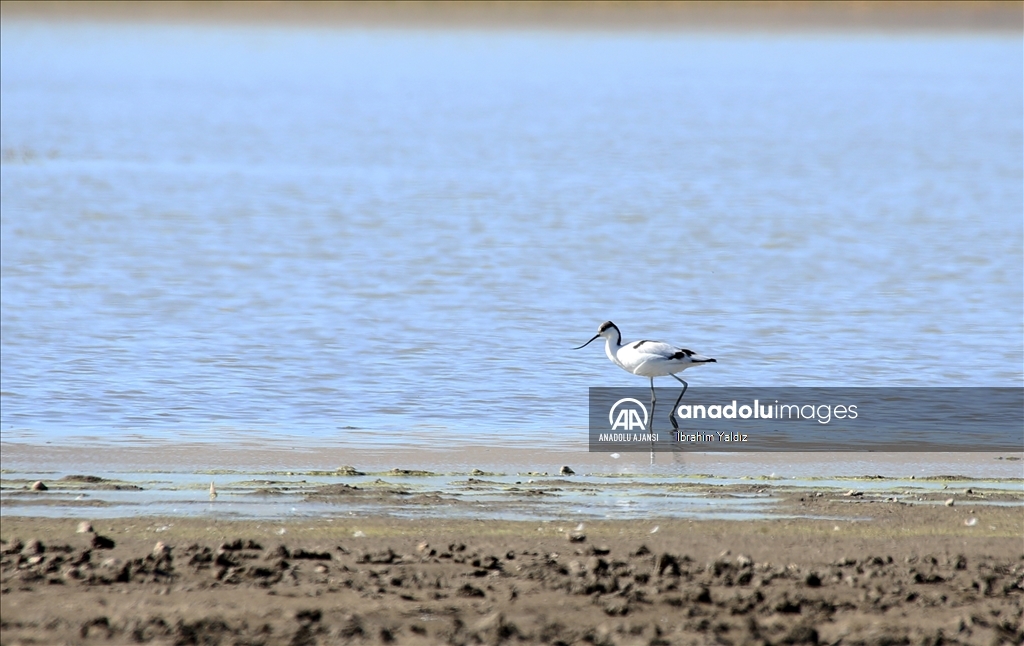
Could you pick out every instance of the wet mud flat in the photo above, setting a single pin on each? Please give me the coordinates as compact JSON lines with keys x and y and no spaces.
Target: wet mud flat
{"x":524,"y":496}
{"x":856,"y":572}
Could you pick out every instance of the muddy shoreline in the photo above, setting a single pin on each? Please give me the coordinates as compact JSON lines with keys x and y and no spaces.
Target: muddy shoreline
{"x":872,"y":572}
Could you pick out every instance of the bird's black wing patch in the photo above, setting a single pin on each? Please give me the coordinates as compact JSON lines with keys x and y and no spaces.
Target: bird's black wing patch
{"x":639,"y":343}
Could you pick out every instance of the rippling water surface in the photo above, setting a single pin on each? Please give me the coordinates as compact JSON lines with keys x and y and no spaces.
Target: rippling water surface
{"x":368,"y":236}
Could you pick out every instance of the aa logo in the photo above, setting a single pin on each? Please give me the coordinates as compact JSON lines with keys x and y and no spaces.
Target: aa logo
{"x":625,"y":415}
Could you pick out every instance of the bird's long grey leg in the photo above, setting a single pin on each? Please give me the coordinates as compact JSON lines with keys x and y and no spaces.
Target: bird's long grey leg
{"x":654,"y":400}
{"x":650,"y":420}
{"x":672,"y":413}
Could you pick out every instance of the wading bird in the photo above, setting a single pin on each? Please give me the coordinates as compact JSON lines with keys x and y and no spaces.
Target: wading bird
{"x":648,"y":359}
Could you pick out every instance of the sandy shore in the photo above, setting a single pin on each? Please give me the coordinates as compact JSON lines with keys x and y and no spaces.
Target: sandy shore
{"x":660,"y":16}
{"x":450,"y":454}
{"x":856,"y":571}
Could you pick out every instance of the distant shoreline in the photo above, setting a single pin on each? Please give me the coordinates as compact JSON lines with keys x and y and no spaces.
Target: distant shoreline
{"x":943,"y":17}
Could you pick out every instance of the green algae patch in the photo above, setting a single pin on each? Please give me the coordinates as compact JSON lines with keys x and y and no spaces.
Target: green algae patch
{"x":485,"y":474}
{"x":410,"y":473}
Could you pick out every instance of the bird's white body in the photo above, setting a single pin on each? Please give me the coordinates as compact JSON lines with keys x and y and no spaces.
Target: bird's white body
{"x":646,"y":358}
{"x":651,"y":358}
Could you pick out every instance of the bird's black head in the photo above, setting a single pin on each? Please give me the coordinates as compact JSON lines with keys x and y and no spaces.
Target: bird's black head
{"x":607,"y":330}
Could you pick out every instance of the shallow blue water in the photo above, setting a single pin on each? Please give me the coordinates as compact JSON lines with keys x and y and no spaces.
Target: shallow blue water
{"x":331,"y":236}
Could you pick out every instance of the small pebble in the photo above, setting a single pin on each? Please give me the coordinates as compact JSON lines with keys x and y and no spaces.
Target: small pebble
{"x":39,"y":486}
{"x":949,"y":503}
{"x":566,"y":471}
{"x":33,"y":547}
{"x":161,"y":548}
{"x":84,"y":527}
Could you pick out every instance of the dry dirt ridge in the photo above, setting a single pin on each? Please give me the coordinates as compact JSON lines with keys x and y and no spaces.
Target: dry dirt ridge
{"x":499,"y":587}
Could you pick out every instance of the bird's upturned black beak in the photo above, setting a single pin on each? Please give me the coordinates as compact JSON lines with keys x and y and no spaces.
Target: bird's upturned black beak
{"x":588,"y":342}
